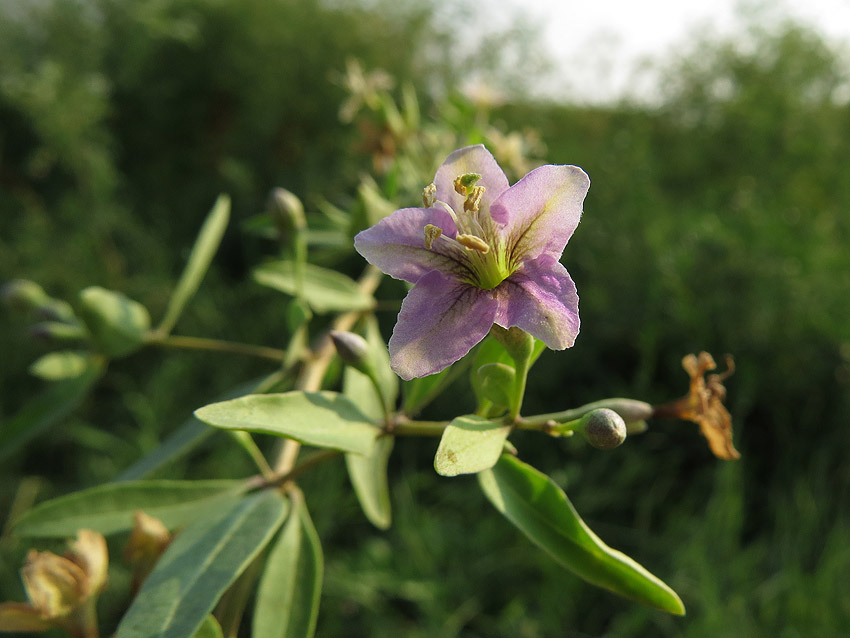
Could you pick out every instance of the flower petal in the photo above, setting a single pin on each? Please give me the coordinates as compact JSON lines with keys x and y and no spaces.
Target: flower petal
{"x":470,"y":159}
{"x":396,"y":244}
{"x":440,"y":321}
{"x":541,"y":299}
{"x":541,"y":211}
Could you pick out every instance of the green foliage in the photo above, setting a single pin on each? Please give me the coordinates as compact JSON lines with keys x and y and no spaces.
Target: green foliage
{"x":288,"y":597}
{"x":206,"y":245}
{"x":717,"y":220}
{"x":199,"y":565}
{"x":109,"y":508}
{"x":323,"y":419}
{"x":323,"y":289}
{"x":470,"y":444}
{"x":538,"y":507}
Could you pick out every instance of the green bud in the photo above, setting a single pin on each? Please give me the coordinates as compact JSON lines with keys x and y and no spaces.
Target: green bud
{"x":118,"y":324}
{"x":497,"y":382}
{"x":23,"y":294}
{"x":352,"y":349}
{"x":603,"y":428}
{"x":297,"y":314}
{"x":286,"y":210}
{"x":518,"y":343}
{"x":58,"y":331}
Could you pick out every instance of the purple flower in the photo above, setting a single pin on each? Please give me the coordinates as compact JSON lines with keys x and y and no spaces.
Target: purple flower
{"x":480,"y":252}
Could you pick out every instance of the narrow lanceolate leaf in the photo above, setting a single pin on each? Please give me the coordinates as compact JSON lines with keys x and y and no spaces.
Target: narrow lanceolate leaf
{"x":470,"y":444}
{"x":368,"y":474}
{"x":64,"y":364}
{"x":199,"y":565}
{"x":202,"y":254}
{"x":109,"y":508}
{"x":325,"y":290}
{"x":542,"y":511}
{"x":323,"y":419}
{"x":291,"y":585}
{"x":185,"y":438}
{"x":387,"y":379}
{"x":46,"y":410}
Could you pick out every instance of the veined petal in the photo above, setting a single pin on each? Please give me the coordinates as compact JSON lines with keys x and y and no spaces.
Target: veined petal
{"x":541,"y":211}
{"x":541,"y":299}
{"x":441,"y":320}
{"x":470,"y":159}
{"x":396,"y":244}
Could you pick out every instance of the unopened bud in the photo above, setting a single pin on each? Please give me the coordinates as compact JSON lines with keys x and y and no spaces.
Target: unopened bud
{"x":286,"y":211}
{"x":352,"y":348}
{"x":23,"y":294}
{"x":57,"y":331}
{"x":603,"y":428}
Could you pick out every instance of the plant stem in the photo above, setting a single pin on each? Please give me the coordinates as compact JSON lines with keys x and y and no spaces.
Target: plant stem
{"x":404,"y":427}
{"x":311,"y":375}
{"x":216,"y":345}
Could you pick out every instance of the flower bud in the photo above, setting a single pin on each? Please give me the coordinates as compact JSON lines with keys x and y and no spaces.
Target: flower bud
{"x":57,"y":331}
{"x":352,"y":348}
{"x":23,"y":294}
{"x":286,"y":211}
{"x":603,"y":428}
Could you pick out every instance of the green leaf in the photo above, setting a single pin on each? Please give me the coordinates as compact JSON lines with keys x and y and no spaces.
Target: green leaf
{"x":497,"y":383}
{"x":325,"y":290}
{"x":541,"y":510}
{"x":358,"y":387}
{"x":46,"y":409}
{"x":185,"y":438}
{"x":206,"y":245}
{"x":323,"y":419}
{"x":368,"y":474}
{"x":288,"y":596}
{"x":109,"y":508}
{"x":199,"y":565}
{"x":470,"y":444}
{"x":209,"y":629}
{"x":387,"y":379}
{"x":64,"y":364}
{"x":117,"y":323}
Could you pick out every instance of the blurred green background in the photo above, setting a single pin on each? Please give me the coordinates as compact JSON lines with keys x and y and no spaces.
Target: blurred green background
{"x":718,"y":219}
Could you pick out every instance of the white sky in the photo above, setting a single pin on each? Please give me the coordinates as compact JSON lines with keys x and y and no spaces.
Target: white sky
{"x":599,"y":43}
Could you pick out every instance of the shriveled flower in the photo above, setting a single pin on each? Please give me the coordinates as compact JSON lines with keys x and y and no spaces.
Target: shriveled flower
{"x":479,"y":252}
{"x":61,"y":589}
{"x":704,"y":404}
{"x":148,"y":540}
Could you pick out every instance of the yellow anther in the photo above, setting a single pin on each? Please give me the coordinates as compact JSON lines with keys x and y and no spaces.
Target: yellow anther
{"x":473,"y":242}
{"x":429,"y":195}
{"x":463,"y":183}
{"x":460,"y":189}
{"x":473,"y":200}
{"x":431,"y":234}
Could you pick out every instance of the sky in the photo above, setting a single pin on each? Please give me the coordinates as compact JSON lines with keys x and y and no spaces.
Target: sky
{"x":599,"y":44}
